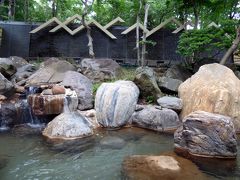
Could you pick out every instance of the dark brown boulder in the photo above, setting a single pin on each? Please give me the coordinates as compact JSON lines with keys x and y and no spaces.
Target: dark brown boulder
{"x":206,"y":135}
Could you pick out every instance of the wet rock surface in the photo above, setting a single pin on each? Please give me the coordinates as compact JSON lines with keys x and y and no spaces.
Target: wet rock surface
{"x":68,"y":126}
{"x":167,"y":167}
{"x":155,"y":118}
{"x":115,"y":103}
{"x":43,"y":104}
{"x":207,"y":135}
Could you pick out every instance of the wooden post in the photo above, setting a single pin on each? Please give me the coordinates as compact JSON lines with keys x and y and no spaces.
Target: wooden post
{"x":144,"y":36}
{"x":90,"y":39}
{"x":137,"y":34}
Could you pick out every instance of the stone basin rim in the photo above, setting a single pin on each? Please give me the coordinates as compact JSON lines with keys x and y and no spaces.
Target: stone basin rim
{"x":185,"y":153}
{"x":65,"y":138}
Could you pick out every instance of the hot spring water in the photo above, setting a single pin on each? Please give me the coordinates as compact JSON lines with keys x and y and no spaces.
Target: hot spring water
{"x":30,"y":156}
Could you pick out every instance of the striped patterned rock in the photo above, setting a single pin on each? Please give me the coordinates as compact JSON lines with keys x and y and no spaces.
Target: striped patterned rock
{"x":115,"y":103}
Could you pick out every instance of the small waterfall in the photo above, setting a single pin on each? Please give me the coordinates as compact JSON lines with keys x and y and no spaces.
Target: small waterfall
{"x":3,"y":124}
{"x":25,"y":115}
{"x":66,"y":104}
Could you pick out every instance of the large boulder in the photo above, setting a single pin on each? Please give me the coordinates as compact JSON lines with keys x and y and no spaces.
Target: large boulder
{"x":207,"y":135}
{"x":155,"y":118}
{"x":83,"y":87}
{"x":7,"y":68}
{"x":163,"y":167}
{"x":52,"y":72}
{"x":146,"y":81}
{"x":68,"y":126}
{"x":169,"y":102}
{"x":169,"y":85}
{"x":115,"y":103}
{"x":6,"y":87}
{"x":100,"y":69}
{"x":43,"y":104}
{"x":214,"y":88}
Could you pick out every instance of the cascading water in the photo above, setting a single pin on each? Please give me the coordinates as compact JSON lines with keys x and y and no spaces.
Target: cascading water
{"x":19,"y":112}
{"x":26,"y":115}
{"x":3,"y":124}
{"x":33,"y":120}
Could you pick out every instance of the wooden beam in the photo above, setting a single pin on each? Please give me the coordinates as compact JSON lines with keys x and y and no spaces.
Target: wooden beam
{"x":97,"y":25}
{"x":53,"y":20}
{"x":114,"y":21}
{"x":133,"y":27}
{"x":180,"y":28}
{"x":160,"y":26}
{"x":177,"y":22}
{"x":213,"y":24}
{"x":69,"y":20}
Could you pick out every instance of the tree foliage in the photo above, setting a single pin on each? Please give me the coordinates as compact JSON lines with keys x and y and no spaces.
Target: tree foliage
{"x":200,"y":12}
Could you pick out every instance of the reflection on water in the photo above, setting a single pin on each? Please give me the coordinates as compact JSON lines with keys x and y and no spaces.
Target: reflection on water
{"x":32,"y":157}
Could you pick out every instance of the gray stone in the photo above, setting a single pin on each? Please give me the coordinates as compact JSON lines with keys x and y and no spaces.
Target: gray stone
{"x":112,"y":142}
{"x":100,"y":69}
{"x":115,"y":103}
{"x":179,"y":72}
{"x":6,"y":87}
{"x":169,"y":85}
{"x":82,"y":86}
{"x":146,"y":81}
{"x":207,"y":135}
{"x":18,"y":61}
{"x":68,"y":126}
{"x":157,"y":119}
{"x":52,"y":72}
{"x":7,"y":68}
{"x":24,"y":72}
{"x":173,"y":103}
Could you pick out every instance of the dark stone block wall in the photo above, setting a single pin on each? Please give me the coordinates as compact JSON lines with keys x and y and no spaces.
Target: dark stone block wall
{"x":18,"y":42}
